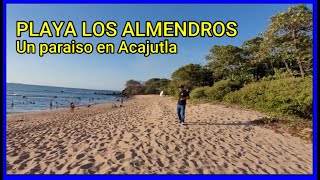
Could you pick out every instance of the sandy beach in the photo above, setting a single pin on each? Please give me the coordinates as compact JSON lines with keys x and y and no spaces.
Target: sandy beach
{"x":144,"y":137}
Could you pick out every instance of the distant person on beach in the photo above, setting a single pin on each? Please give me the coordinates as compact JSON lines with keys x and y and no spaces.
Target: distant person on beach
{"x":121,"y":100}
{"x":11,"y":103}
{"x":72,"y":106}
{"x":182,"y":101}
{"x":50,"y":104}
{"x":114,"y":105}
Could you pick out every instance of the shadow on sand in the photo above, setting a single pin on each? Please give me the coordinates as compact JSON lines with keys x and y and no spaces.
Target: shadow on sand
{"x":242,"y":123}
{"x":261,"y":121}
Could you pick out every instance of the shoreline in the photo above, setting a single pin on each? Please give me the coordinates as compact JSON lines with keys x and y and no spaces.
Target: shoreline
{"x":144,"y":137}
{"x":63,"y":108}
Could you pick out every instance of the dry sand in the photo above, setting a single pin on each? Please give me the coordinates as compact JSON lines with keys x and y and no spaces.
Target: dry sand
{"x":144,"y":137}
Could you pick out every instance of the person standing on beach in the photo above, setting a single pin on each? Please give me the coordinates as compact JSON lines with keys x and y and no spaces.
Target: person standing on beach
{"x":121,"y":100}
{"x":72,"y":106}
{"x":182,"y":101}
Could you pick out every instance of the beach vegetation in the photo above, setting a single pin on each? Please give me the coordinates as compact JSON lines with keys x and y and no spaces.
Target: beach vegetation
{"x":156,"y":85}
{"x":271,"y":72}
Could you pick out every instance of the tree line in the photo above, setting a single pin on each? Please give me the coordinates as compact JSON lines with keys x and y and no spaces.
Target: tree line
{"x":283,"y":50}
{"x":286,"y":47}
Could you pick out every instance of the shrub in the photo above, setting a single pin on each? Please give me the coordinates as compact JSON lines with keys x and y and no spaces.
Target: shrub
{"x":288,"y":96}
{"x":199,"y":93}
{"x":222,"y":88}
{"x":278,"y":74}
{"x":172,"y":89}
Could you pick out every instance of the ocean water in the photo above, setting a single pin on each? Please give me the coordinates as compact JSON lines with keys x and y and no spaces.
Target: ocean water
{"x":26,"y":98}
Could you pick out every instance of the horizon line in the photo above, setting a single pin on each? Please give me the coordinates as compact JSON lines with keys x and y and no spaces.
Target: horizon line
{"x":60,"y":86}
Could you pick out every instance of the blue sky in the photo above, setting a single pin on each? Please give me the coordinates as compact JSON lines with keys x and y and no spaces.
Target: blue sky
{"x":111,"y":71}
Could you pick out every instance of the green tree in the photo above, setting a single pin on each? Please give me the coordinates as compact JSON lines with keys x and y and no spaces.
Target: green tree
{"x":133,"y":87}
{"x":172,"y":88}
{"x":163,"y":84}
{"x":193,"y":75}
{"x":156,"y":85}
{"x":225,"y":61}
{"x":289,"y":37}
{"x":255,"y":62}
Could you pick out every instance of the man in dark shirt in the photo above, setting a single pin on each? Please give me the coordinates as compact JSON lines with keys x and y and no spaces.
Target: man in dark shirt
{"x":181,"y":106}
